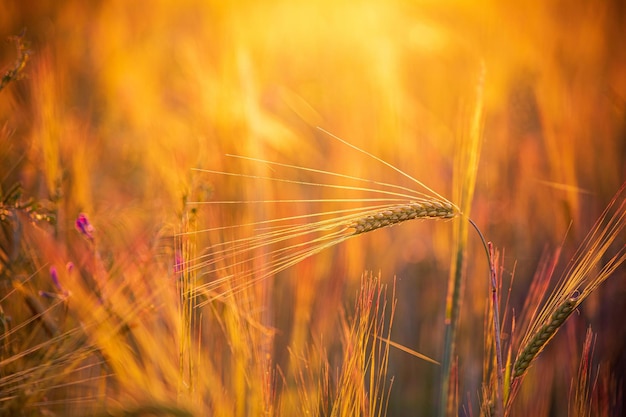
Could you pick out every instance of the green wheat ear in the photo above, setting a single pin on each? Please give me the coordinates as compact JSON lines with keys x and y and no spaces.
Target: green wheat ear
{"x":541,"y":338}
{"x":587,"y":270}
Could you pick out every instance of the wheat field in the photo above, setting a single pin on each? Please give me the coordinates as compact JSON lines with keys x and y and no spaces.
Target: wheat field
{"x":268,"y":208}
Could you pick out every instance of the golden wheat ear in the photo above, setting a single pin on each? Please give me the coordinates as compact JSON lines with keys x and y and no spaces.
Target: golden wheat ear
{"x":279,"y":243}
{"x":587,"y":270}
{"x":400,"y":213}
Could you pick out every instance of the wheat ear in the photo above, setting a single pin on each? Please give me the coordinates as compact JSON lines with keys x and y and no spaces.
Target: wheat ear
{"x":397,"y":214}
{"x":542,"y":336}
{"x":278,"y":244}
{"x":317,"y":236}
{"x":589,"y":268}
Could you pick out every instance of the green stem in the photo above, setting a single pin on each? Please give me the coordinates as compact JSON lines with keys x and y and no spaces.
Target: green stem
{"x":452,"y":320}
{"x":453,"y":308}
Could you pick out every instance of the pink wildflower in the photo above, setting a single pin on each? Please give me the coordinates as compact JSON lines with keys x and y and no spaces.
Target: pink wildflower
{"x":84,"y":227}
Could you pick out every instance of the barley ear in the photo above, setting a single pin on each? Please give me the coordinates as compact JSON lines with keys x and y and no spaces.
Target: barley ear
{"x":432,"y":209}
{"x":541,"y":338}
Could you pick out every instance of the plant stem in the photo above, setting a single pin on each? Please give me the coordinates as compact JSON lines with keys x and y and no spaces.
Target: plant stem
{"x":496,"y":320}
{"x":465,"y":178}
{"x":453,"y":306}
{"x":496,"y":329}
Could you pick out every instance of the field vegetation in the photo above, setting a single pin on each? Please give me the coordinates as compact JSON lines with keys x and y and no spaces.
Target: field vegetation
{"x":318,"y":208}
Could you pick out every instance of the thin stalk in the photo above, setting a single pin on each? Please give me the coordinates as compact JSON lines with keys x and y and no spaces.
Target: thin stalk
{"x":495,"y":304}
{"x":495,"y":300}
{"x":447,"y":404}
{"x":465,"y":177}
{"x":488,"y":246}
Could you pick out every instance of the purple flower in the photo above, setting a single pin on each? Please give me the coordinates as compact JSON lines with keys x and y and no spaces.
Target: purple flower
{"x":84,"y":227}
{"x":47,"y":294}
{"x":61,"y":293}
{"x":54,"y":275}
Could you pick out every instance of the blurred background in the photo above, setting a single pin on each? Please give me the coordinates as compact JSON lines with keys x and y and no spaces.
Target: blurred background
{"x":120,"y":100}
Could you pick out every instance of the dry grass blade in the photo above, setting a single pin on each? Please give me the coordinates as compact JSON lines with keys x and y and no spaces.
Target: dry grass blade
{"x":581,"y":405}
{"x":363,"y":385}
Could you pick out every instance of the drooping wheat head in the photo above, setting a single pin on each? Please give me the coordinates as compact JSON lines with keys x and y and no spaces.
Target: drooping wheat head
{"x":398,"y":214}
{"x":277,"y":244}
